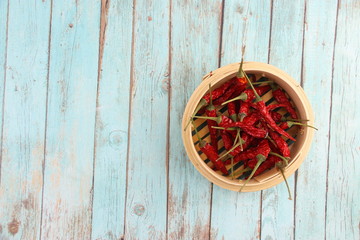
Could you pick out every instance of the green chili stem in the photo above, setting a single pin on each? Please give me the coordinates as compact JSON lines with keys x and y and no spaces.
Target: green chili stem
{"x":261,"y":158}
{"x":264,"y":82}
{"x":279,"y":156}
{"x":202,"y":103}
{"x":241,"y":172}
{"x":240,"y":71}
{"x":290,"y":123}
{"x":201,"y":142}
{"x":222,"y":128}
{"x":231,"y":149}
{"x":242,"y":96}
{"x":286,"y":182}
{"x":258,"y":98}
{"x":216,"y":119}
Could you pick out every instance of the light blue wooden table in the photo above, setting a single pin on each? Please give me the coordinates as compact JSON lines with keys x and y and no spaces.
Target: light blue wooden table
{"x":92,"y":94}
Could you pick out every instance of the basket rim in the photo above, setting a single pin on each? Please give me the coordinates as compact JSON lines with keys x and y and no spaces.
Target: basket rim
{"x":281,"y":78}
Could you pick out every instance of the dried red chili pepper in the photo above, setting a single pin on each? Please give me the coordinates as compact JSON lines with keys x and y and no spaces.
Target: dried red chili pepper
{"x":251,"y":119}
{"x":225,"y":96}
{"x":276,"y":116}
{"x":232,"y":111}
{"x":274,"y":106}
{"x":211,"y":154}
{"x":228,"y":142}
{"x":281,"y":97}
{"x":280,"y":143}
{"x":244,"y":110}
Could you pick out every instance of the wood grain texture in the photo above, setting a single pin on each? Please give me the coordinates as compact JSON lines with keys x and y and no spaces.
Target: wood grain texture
{"x":23,"y":125}
{"x":73,"y":74}
{"x":146,"y":199}
{"x":343,"y":206}
{"x":189,"y":197}
{"x":285,"y":53}
{"x":237,"y":215}
{"x":320,"y":21}
{"x":112,"y":120}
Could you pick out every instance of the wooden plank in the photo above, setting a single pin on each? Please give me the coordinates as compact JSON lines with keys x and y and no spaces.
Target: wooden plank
{"x":24,"y":119}
{"x":237,"y":215}
{"x":112,"y":120}
{"x":73,"y":74}
{"x":319,"y":35}
{"x":286,"y":54}
{"x":3,"y":43}
{"x":147,"y":171}
{"x":193,"y":55}
{"x":343,"y":209}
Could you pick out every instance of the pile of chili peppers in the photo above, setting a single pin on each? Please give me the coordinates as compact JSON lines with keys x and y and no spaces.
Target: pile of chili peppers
{"x":253,"y":133}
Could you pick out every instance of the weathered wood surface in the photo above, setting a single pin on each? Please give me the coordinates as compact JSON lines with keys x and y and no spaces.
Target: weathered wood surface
{"x":92,"y":95}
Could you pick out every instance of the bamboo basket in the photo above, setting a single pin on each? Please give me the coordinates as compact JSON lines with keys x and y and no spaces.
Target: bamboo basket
{"x":299,"y":149}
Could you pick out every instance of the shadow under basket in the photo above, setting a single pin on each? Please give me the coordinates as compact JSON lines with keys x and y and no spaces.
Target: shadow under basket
{"x":299,"y":148}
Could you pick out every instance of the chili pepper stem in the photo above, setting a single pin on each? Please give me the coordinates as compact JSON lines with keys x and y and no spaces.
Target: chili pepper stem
{"x":202,"y":103}
{"x":286,"y":182}
{"x":290,"y":123}
{"x":242,"y":96}
{"x":258,"y":98}
{"x":240,"y":172}
{"x":261,"y":158}
{"x":201,"y":142}
{"x":240,"y":72}
{"x":264,"y":82}
{"x":216,"y":119}
{"x":286,"y":161}
{"x":230,"y":150}
{"x":238,"y":138}
{"x":222,"y":128}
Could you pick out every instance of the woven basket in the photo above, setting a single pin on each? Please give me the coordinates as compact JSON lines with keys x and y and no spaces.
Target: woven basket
{"x":299,"y":149}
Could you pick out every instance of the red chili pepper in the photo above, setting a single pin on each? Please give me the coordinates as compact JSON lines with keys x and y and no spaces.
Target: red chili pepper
{"x":280,"y":143}
{"x":251,"y":119}
{"x":225,"y":96}
{"x":261,"y":107}
{"x":232,"y":111}
{"x":211,"y":154}
{"x":276,"y":116}
{"x":274,"y":106}
{"x":228,"y":142}
{"x":281,"y":97}
{"x":244,"y":110}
